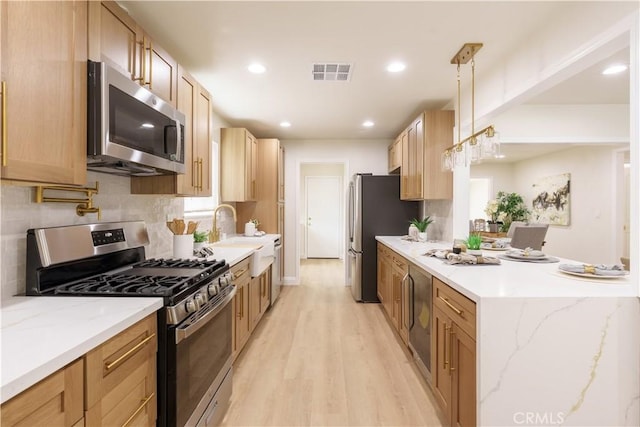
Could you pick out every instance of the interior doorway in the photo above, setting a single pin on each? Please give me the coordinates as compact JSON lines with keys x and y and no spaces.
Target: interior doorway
{"x":321,"y":210}
{"x":323,"y":206}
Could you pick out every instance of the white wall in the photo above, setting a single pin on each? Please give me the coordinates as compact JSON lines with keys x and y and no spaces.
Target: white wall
{"x":590,"y":237}
{"x":357,"y":155}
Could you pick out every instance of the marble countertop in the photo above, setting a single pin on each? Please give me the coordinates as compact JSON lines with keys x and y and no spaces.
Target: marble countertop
{"x":510,"y":279}
{"x":43,"y":334}
{"x":40,"y":335}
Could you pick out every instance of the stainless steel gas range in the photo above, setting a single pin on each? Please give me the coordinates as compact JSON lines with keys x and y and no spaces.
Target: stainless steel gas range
{"x":194,"y":327}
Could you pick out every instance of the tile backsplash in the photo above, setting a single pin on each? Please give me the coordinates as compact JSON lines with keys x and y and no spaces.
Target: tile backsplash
{"x":441,"y":211}
{"x":19,"y":212}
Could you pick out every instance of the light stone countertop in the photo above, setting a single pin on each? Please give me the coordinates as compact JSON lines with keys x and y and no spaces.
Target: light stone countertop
{"x":510,"y":279}
{"x":40,"y":335}
{"x":550,"y":348}
{"x":43,"y":334}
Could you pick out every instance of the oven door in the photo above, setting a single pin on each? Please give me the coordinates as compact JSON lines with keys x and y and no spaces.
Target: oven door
{"x":203,"y":366}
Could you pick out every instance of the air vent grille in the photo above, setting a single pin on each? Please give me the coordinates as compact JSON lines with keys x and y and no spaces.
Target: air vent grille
{"x":332,"y":71}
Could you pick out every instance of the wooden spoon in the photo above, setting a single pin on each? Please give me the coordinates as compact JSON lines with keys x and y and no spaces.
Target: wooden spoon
{"x":171,"y":227}
{"x":179,"y":226}
{"x":191,"y":227}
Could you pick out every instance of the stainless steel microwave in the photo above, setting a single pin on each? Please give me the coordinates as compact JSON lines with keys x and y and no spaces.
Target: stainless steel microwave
{"x":131,"y":131}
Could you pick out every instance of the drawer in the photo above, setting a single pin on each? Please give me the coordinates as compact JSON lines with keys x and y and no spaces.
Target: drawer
{"x":455,"y":305}
{"x":240,"y":271}
{"x":399,"y":262}
{"x":113,"y":363}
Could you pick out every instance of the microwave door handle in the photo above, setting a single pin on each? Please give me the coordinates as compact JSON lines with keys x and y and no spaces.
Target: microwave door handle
{"x":179,"y":141}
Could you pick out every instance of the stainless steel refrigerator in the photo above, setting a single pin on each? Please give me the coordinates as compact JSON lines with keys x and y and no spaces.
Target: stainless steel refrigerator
{"x":375,"y":209}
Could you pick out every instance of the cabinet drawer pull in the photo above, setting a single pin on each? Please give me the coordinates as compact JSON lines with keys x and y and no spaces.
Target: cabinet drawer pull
{"x":451,"y":306}
{"x":109,"y":366}
{"x":143,"y":403}
{"x":239,"y":273}
{"x":4,"y":123}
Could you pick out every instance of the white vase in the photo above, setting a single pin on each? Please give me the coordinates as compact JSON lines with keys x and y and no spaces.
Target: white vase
{"x":413,"y":232}
{"x":422,"y":236}
{"x":476,"y":252}
{"x":198,"y":245}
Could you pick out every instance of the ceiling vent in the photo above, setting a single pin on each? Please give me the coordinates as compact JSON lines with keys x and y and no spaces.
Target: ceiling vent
{"x":332,"y":72}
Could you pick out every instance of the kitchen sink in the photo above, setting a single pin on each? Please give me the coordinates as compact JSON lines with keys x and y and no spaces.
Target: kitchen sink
{"x":263,"y":254}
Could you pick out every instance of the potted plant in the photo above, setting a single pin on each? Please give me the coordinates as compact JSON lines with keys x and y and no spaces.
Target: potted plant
{"x":199,"y":239}
{"x":422,"y":225}
{"x":473,"y":243}
{"x":506,"y":208}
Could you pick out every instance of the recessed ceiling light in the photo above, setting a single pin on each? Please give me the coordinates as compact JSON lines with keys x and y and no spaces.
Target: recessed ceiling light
{"x":285,"y":124}
{"x":256,"y":68}
{"x":614,"y":69}
{"x":367,"y":123}
{"x":396,"y":67}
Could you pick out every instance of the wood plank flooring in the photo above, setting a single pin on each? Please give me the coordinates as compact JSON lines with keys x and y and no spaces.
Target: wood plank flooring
{"x":317,"y":358}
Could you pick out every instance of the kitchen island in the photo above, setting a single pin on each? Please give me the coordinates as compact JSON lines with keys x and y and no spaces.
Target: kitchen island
{"x":551,"y":349}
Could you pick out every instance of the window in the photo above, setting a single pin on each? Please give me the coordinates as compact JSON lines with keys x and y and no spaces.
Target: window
{"x":479,"y":190}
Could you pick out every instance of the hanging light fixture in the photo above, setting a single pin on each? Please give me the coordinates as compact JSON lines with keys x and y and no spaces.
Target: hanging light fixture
{"x":482,"y":144}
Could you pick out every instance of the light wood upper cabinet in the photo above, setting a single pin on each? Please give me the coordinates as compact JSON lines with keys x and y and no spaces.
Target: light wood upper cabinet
{"x":453,"y":360}
{"x":422,"y":144}
{"x":43,"y":64}
{"x":238,"y":165}
{"x":195,"y":102}
{"x":55,"y":401}
{"x":116,"y":38}
{"x":395,"y":155}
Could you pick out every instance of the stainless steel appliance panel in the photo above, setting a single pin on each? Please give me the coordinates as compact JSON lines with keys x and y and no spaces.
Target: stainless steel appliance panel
{"x":375,"y":210}
{"x":131,"y":131}
{"x":420,"y":315}
{"x":276,"y":271}
{"x":355,"y":274}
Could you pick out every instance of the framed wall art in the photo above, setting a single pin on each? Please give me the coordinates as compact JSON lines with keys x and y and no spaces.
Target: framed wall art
{"x":551,"y":200}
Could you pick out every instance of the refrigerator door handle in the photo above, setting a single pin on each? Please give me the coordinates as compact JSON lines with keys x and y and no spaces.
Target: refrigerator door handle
{"x":350,"y":214}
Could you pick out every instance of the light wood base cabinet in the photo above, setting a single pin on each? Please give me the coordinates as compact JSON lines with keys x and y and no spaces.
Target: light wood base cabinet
{"x":392,"y":289}
{"x":112,"y":385}
{"x":453,"y":361}
{"x":54,"y":401}
{"x":241,"y":324}
{"x":120,"y":380}
{"x":43,"y":63}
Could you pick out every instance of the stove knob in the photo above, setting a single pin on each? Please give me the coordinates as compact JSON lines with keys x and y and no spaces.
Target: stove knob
{"x":191,"y":306}
{"x":200,"y":299}
{"x":223,"y":281}
{"x":213,"y":289}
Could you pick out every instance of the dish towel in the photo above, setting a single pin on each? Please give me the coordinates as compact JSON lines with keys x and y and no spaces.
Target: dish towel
{"x":598,"y":269}
{"x":438,"y":253}
{"x":528,"y":252}
{"x":463,"y":258}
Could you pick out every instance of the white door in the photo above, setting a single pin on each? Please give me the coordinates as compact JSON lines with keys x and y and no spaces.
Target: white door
{"x":323,"y":223}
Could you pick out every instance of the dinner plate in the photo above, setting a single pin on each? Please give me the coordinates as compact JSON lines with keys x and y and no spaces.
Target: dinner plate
{"x":591,"y":276}
{"x":489,"y":248}
{"x":518,"y":256}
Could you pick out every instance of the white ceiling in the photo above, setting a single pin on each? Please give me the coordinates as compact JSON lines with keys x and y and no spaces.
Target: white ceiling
{"x":216,"y":41}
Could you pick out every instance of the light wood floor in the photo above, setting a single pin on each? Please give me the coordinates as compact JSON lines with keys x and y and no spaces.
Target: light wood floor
{"x":318,"y":358}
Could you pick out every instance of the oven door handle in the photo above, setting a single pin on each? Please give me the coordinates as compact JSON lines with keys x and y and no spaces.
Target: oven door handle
{"x":182,"y":333}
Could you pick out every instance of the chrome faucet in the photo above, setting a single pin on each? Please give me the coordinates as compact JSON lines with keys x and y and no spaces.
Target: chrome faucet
{"x":214,"y":235}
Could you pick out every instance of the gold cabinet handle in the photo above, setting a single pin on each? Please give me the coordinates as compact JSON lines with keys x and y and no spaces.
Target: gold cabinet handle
{"x":242,"y":304}
{"x":239,"y":273}
{"x":4,"y":123}
{"x":109,"y":366}
{"x":150,"y":49}
{"x":142,"y":63}
{"x":194,"y":176}
{"x":446,"y":358}
{"x":143,"y":403}
{"x":451,"y":346}
{"x":451,"y":306}
{"x":201,"y":170}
